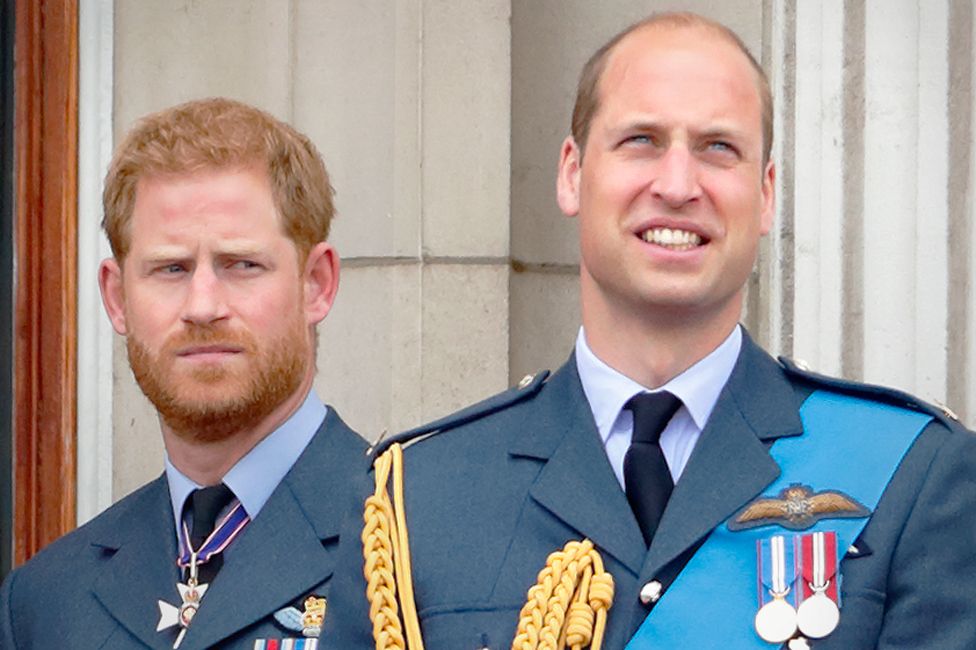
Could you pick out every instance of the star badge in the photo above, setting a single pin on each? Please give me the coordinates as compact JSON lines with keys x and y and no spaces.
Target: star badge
{"x":171,"y":615}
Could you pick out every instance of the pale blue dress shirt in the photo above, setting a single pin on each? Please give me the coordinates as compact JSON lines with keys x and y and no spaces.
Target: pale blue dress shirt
{"x":255,"y":476}
{"x":698,"y":388}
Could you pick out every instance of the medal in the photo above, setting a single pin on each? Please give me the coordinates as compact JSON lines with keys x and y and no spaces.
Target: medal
{"x":818,"y":615}
{"x":191,"y":592}
{"x":799,"y":643}
{"x":776,"y":620}
{"x":190,"y":595}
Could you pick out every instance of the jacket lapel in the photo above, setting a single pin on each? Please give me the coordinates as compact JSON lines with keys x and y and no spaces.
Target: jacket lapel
{"x":577,"y":484}
{"x":281,"y":556}
{"x":731,"y":463}
{"x":140,"y":565}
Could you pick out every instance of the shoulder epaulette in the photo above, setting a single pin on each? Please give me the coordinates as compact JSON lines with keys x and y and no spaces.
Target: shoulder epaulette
{"x":526,"y":388}
{"x":874,"y":392}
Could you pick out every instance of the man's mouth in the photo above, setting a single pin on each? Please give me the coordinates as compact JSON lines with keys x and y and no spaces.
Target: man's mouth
{"x":203,"y":350}
{"x":672,"y":238}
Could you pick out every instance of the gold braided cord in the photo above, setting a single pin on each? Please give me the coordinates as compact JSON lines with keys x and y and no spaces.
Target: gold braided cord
{"x":567,"y":607}
{"x":386,"y":555}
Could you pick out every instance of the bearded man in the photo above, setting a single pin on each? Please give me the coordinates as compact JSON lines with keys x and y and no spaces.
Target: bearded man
{"x":217,"y":214}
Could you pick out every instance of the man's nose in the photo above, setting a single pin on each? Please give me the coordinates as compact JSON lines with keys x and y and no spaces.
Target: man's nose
{"x":676,"y":177}
{"x":205,"y":301}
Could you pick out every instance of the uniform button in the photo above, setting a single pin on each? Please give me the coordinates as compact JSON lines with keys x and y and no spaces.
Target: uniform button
{"x":651,"y":592}
{"x":525,"y":381}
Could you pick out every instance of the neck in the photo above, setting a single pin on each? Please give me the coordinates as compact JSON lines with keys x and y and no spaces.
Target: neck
{"x":653,"y":350}
{"x":206,"y":463}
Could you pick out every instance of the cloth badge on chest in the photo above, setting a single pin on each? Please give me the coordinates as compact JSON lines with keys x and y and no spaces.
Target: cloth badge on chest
{"x":797,"y":507}
{"x":307,"y":621}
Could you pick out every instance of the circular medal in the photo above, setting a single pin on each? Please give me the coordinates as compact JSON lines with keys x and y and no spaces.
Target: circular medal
{"x":776,"y":621}
{"x":817,"y":616}
{"x":799,"y":643}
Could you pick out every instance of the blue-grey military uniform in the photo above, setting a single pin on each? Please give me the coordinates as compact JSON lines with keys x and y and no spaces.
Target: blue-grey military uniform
{"x":98,"y":586}
{"x":492,"y":490}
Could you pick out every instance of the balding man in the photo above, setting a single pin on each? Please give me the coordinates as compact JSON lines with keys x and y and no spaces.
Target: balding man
{"x":736,"y":501}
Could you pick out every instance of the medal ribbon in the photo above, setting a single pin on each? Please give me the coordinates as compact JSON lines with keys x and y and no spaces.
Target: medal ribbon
{"x":818,"y":552}
{"x":777,"y":568}
{"x":229,"y":528}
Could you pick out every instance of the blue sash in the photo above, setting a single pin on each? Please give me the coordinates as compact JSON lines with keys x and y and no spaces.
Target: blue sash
{"x":849,"y":444}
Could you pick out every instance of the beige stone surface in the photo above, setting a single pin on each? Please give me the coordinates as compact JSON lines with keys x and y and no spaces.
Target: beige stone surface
{"x":544,"y":321}
{"x":369,"y":349}
{"x":167,"y":52}
{"x":355,"y":94}
{"x":465,"y":103}
{"x":137,"y":448}
{"x":464,"y":336}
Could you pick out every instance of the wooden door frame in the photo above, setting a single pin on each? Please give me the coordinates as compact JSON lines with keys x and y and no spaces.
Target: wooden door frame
{"x":45,"y":248}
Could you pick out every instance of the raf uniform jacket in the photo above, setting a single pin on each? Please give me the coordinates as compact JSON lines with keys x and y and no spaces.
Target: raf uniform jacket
{"x":495,"y":488}
{"x":98,"y":586}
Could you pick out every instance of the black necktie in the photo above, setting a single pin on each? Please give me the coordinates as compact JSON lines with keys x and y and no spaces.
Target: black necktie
{"x":646,"y":475}
{"x":206,"y":503}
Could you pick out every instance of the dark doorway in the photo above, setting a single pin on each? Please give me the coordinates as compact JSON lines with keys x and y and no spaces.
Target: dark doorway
{"x":6,"y":281}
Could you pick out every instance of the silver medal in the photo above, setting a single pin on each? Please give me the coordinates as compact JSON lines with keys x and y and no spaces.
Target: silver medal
{"x":776,"y":621}
{"x":818,"y":615}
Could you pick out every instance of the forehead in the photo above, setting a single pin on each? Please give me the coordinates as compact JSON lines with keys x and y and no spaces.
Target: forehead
{"x":205,"y":200}
{"x":694,"y":69}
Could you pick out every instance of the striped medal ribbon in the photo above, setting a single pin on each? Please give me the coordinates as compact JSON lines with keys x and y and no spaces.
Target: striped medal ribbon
{"x":191,"y":592}
{"x":819,"y":613}
{"x":776,"y":619}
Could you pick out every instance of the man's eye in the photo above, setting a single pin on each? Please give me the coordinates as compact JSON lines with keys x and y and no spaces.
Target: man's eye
{"x":722,"y":147}
{"x":641,"y":139}
{"x":244,"y":265}
{"x":172,"y":269}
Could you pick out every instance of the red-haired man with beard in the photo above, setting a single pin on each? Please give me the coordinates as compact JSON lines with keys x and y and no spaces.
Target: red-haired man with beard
{"x":217,"y":214}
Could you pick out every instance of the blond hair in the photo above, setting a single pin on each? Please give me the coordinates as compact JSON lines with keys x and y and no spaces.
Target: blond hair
{"x":218,"y":133}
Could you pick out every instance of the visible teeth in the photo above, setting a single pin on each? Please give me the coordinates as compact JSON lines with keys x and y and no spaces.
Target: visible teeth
{"x":672,"y":238}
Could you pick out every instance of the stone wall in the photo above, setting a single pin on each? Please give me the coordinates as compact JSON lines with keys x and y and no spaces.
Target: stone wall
{"x":440,"y":122}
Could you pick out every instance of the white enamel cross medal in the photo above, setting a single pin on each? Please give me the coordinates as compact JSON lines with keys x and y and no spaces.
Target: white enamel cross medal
{"x":190,"y":595}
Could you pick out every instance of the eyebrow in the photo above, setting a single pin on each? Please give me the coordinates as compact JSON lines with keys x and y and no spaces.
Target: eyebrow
{"x":720,"y":129}
{"x":166,"y":253}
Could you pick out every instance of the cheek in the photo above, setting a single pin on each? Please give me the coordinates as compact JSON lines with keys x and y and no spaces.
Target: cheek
{"x":613,"y":187}
{"x":147,"y":315}
{"x":273,"y":309}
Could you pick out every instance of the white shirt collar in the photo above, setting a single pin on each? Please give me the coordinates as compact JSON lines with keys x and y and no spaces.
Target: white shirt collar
{"x":698,"y":387}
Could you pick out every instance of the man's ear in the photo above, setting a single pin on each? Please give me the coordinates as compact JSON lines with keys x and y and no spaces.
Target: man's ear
{"x":568,"y":177}
{"x":768,"y":199}
{"x":113,"y":293}
{"x":321,"y":279}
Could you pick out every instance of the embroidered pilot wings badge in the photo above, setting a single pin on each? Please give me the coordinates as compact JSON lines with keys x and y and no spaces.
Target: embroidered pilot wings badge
{"x":797,"y":507}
